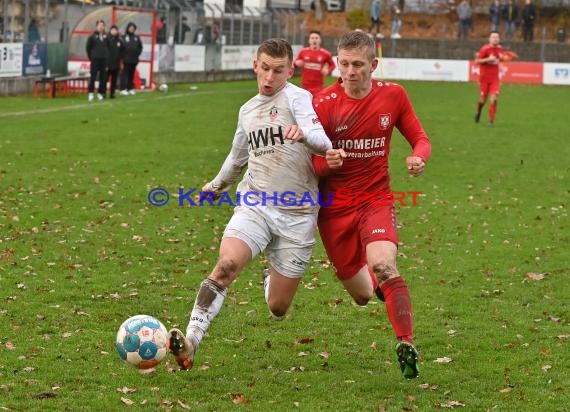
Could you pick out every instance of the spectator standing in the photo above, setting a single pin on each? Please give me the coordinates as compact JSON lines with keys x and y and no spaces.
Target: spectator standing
{"x":511,"y":17}
{"x":161,"y":37}
{"x":116,"y":50}
{"x":34,"y":32}
{"x":180,"y":30}
{"x":528,"y":18}
{"x":97,"y":49}
{"x":396,"y":19}
{"x":464,"y":13}
{"x":495,"y":15}
{"x":375,"y":12}
{"x":133,"y":49}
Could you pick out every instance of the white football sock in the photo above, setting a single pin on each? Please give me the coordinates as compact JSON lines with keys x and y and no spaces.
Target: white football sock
{"x":207,"y":305}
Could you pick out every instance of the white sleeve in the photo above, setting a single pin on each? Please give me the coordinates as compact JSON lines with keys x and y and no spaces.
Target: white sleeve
{"x":235,"y":161}
{"x":315,"y":136}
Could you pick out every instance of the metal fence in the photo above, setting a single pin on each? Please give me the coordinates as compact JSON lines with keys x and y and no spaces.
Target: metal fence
{"x":53,"y":20}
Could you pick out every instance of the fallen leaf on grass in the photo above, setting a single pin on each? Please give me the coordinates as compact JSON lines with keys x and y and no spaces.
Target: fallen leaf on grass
{"x":182,"y":404}
{"x":234,"y":340}
{"x":44,"y":395}
{"x":427,"y":386}
{"x":126,"y":390}
{"x":302,"y":354}
{"x":126,"y":401}
{"x":534,"y":276}
{"x":238,"y":398}
{"x":546,"y":368}
{"x":324,"y":355}
{"x":563,"y":337}
{"x":10,"y":346}
{"x":507,"y":389}
{"x":445,"y":359}
{"x":204,"y":367}
{"x":6,"y":254}
{"x":304,"y":341}
{"x":450,"y":404}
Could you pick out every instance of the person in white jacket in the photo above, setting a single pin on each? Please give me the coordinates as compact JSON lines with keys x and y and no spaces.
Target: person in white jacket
{"x":276,"y":135}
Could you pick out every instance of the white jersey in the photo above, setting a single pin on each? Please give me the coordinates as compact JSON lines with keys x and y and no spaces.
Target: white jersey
{"x":275,"y":165}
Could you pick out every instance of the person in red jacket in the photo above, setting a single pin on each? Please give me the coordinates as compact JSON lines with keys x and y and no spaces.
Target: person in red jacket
{"x":315,"y":63}
{"x":359,"y":115}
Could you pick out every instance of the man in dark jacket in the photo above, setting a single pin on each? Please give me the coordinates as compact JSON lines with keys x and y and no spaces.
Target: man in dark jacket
{"x":133,"y":49}
{"x":510,"y":16}
{"x":97,"y":49}
{"x":528,"y":18}
{"x":116,"y":50}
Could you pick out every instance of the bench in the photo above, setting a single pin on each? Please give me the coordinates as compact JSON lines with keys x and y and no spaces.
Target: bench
{"x":60,"y":85}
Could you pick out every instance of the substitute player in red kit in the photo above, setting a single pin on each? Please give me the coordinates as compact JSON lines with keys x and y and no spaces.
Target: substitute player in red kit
{"x":488,"y":59}
{"x":316,"y":63}
{"x":359,"y":115}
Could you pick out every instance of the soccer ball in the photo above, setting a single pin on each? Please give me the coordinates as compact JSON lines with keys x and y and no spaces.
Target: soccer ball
{"x":142,"y":342}
{"x":163,"y":87}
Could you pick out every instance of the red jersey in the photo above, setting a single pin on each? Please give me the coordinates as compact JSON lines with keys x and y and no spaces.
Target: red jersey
{"x":489,"y":72}
{"x":363,"y":128}
{"x":312,"y":78}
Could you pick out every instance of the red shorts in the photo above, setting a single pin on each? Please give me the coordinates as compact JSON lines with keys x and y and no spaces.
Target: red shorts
{"x":490,"y":88}
{"x":345,"y":236}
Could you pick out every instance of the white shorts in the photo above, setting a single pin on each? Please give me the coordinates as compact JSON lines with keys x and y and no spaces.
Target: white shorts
{"x":287,"y":239}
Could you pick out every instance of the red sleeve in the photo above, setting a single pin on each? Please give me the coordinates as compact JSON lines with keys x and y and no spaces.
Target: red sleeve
{"x":300,"y":55}
{"x":320,"y":162}
{"x":483,"y":52}
{"x":331,"y":63}
{"x":411,"y":128}
{"x":321,"y":166}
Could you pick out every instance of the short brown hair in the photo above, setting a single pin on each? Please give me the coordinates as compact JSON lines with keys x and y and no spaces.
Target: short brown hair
{"x":276,"y":48}
{"x":358,"y":40}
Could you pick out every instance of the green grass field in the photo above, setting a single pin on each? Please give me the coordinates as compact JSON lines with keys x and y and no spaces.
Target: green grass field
{"x":485,"y":253}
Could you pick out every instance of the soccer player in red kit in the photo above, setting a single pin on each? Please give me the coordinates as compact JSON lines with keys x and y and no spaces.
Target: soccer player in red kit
{"x":316,"y":63}
{"x":359,"y":115}
{"x":488,"y":59}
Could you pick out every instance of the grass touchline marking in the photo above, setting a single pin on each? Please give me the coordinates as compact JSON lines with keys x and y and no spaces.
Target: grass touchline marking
{"x":98,"y":104}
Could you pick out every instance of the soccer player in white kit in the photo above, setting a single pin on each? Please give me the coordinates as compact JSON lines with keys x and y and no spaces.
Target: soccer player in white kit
{"x":276,"y":134}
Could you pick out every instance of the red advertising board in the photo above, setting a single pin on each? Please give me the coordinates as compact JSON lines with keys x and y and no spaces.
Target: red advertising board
{"x":513,"y":72}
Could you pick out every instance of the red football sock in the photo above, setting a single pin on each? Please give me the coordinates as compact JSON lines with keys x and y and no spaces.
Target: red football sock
{"x":399,"y":308}
{"x":492,"y":111}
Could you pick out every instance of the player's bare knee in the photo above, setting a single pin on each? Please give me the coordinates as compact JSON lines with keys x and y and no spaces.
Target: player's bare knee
{"x":278,"y":309}
{"x":226,"y":270}
{"x":384,"y":271}
{"x":361,"y":300}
